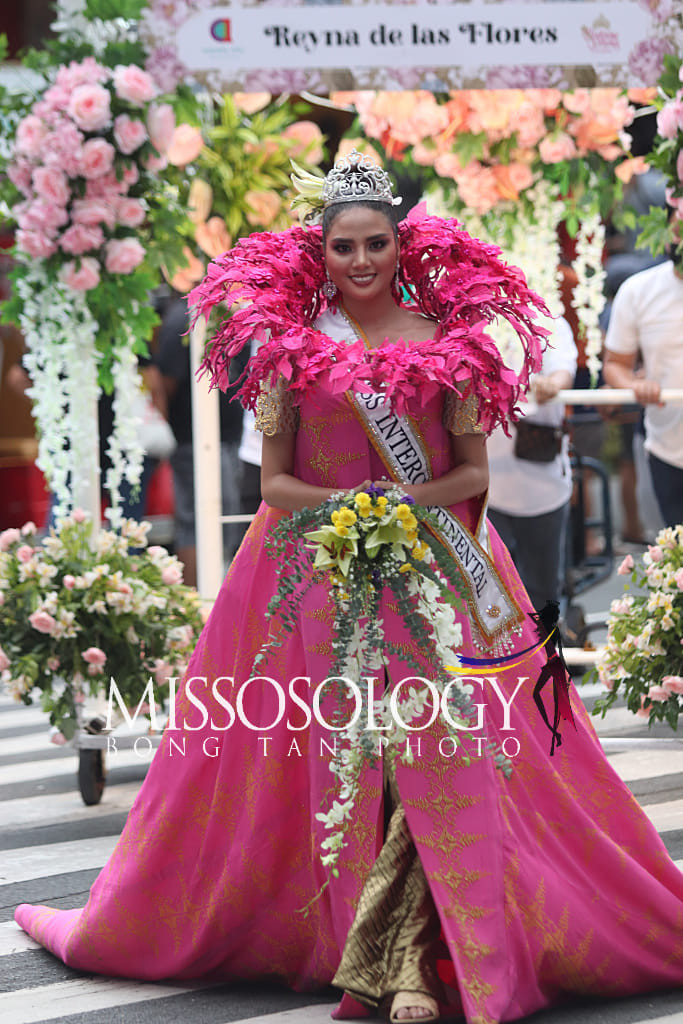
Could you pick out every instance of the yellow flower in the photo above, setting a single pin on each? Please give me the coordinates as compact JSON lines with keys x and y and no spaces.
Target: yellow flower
{"x":363,"y":500}
{"x":406,"y":567}
{"x":419,"y":551}
{"x":347,"y":517}
{"x":402,"y":510}
{"x":409,"y":522}
{"x":341,"y":531}
{"x":335,"y":517}
{"x":411,"y":536}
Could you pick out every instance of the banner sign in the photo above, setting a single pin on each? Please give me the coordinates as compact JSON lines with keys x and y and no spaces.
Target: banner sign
{"x":324,"y":46}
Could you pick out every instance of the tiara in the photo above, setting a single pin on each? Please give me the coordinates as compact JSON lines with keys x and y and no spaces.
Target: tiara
{"x":354,"y":177}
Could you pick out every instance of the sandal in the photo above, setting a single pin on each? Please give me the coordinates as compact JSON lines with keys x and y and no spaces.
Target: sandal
{"x":402,"y":1000}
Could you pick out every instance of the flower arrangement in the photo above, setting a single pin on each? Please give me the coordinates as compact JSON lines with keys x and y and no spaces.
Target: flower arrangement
{"x":77,"y":610}
{"x":643,"y":654}
{"x":241,"y":180}
{"x":659,"y":232}
{"x":361,"y":544}
{"x":521,"y":161}
{"x":91,"y":184}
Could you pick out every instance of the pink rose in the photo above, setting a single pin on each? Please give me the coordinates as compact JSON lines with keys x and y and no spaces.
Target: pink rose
{"x":655,"y":552}
{"x":94,"y":656}
{"x":186,"y":146}
{"x":20,"y":173}
{"x":123,"y":255}
{"x":42,"y":216}
{"x":78,"y":515}
{"x":9,"y":537}
{"x":57,"y":737}
{"x":89,"y":107}
{"x":171,"y":574}
{"x":97,"y":157}
{"x":130,"y":212}
{"x":658,"y":693}
{"x":53,"y":664}
{"x":678,"y":577}
{"x":673,"y":684}
{"x":679,"y":166}
{"x":69,"y":581}
{"x":30,"y":135}
{"x":161,"y":126}
{"x":80,"y":238}
{"x":93,"y":211}
{"x":626,"y":566}
{"x":154,"y":164}
{"x":81,"y":277}
{"x":670,"y":119}
{"x":36,"y":244}
{"x":129,"y":134}
{"x":28,"y":528}
{"x":162,"y":671}
{"x":25,"y":553}
{"x":4,"y":661}
{"x":554,"y":149}
{"x":134,"y":85}
{"x":42,"y":621}
{"x":51,"y":184}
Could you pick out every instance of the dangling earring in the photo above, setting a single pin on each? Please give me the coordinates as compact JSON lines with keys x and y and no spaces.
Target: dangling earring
{"x":397,"y":283}
{"x":329,"y":288}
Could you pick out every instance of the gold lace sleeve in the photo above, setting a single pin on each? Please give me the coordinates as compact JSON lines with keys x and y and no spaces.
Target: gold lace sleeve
{"x":461,"y":416}
{"x":275,"y":411}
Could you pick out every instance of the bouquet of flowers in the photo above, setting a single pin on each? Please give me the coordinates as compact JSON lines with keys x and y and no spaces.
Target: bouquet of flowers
{"x":361,"y":544}
{"x":77,"y":612}
{"x":643,"y":655}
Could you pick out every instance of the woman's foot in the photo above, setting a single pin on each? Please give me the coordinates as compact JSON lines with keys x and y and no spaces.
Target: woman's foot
{"x":414,"y":1006}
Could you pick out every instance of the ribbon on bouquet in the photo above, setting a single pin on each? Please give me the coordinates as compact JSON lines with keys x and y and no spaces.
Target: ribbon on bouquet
{"x":402,"y":451}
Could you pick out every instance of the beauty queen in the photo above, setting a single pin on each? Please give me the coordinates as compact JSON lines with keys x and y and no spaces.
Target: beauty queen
{"x":459,"y":891}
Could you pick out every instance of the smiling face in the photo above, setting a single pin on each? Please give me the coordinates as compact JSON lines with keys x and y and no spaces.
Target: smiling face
{"x":361,"y":253}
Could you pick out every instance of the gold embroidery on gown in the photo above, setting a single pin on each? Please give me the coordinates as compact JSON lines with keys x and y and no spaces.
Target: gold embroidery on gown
{"x":275,"y":411}
{"x":393,"y":942}
{"x":461,"y":417}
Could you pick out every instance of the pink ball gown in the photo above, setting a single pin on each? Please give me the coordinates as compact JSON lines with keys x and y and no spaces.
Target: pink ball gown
{"x":547,"y":883}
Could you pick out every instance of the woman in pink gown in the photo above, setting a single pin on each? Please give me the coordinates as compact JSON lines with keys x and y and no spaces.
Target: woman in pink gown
{"x":490,"y":896}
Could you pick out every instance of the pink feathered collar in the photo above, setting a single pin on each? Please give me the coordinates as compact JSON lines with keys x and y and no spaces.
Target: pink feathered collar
{"x":458,"y":281}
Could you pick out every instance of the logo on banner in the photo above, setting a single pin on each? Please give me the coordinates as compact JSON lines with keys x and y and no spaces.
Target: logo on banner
{"x":599,"y":36}
{"x":221,"y":30}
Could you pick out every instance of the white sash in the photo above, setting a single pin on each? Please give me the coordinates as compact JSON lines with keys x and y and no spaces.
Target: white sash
{"x":402,"y":451}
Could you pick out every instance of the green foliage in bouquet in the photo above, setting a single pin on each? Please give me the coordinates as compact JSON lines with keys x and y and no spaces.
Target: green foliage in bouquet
{"x":643,"y":656}
{"x":77,"y":611}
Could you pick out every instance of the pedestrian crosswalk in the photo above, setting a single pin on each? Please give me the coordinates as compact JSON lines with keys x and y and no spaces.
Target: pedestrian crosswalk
{"x":52,"y":847}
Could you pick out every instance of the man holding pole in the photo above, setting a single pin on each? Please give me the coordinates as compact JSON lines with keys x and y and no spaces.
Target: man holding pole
{"x":647,"y":319}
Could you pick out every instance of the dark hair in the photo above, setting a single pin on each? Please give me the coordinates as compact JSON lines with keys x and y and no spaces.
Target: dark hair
{"x":389,"y":211}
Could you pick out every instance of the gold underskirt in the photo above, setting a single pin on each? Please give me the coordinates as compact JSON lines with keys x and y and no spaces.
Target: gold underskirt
{"x":393,"y":942}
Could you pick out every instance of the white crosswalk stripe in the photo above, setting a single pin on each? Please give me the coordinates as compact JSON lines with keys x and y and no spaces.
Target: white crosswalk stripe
{"x":48,"y":837}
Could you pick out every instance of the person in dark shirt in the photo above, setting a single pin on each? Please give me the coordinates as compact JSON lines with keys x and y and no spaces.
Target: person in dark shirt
{"x":173,"y":361}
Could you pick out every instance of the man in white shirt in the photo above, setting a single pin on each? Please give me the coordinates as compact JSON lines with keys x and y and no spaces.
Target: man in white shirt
{"x":647,"y":318}
{"x":529,"y":499}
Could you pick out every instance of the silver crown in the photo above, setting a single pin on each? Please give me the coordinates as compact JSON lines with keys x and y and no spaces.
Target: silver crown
{"x":356,"y":177}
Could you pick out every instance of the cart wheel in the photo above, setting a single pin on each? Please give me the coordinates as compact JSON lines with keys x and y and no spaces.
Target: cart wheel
{"x":91,"y":775}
